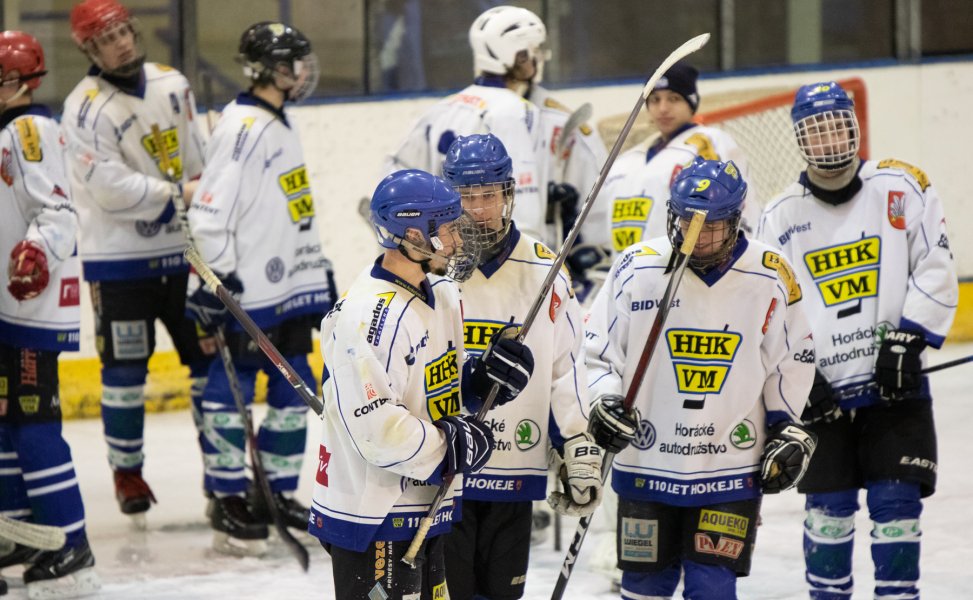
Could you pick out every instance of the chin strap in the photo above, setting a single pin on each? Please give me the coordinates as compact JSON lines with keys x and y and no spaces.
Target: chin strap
{"x":23,"y":90}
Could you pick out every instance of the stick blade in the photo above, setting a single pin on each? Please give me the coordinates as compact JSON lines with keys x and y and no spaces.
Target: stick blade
{"x":687,"y":48}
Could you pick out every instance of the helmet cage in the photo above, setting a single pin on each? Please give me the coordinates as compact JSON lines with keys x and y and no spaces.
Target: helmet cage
{"x":706,"y":255}
{"x":829,"y":140}
{"x":92,"y":46}
{"x":492,"y":222}
{"x":459,"y":237}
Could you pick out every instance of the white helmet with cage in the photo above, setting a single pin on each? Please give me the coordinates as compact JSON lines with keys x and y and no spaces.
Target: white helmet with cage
{"x":498,"y":35}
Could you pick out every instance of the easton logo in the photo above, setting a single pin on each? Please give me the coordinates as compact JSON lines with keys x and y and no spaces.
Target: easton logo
{"x":702,"y":359}
{"x":297,"y":188}
{"x":843,"y":273}
{"x":442,"y":385}
{"x":629,"y":216}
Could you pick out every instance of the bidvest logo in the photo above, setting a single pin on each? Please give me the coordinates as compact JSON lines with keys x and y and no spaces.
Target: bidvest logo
{"x":629,"y":216}
{"x":702,"y":359}
{"x":442,"y":385}
{"x":842,"y":272}
{"x":297,"y":188}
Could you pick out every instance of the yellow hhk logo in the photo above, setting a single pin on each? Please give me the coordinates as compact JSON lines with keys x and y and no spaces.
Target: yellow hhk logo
{"x":844,"y":273}
{"x":629,"y":216}
{"x":701,"y":359}
{"x":477,"y":334}
{"x":442,"y":385}
{"x":297,"y":188}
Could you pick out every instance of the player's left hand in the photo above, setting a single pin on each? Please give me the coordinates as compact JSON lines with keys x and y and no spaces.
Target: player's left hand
{"x":506,"y":362}
{"x":27,"y":270}
{"x":563,"y":198}
{"x":898,"y":364}
{"x":786,"y":457}
{"x":207,"y":309}
{"x":580,"y":474}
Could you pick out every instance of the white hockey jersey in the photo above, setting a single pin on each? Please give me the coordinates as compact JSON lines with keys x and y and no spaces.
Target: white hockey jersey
{"x":253,"y":215}
{"x":583,"y":157}
{"x":116,"y":181}
{"x":492,"y":109}
{"x":35,"y":192}
{"x":393,"y":357}
{"x":637,"y":187}
{"x":734,"y":357}
{"x":880,"y":260}
{"x":554,"y":404}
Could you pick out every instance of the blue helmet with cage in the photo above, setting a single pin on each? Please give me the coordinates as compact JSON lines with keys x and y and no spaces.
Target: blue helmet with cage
{"x":477,"y":159}
{"x":718,"y":188}
{"x":412,"y":199}
{"x":826,"y":125}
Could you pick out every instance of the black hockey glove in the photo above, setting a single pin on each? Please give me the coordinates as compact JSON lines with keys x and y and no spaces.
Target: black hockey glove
{"x":612,"y":427}
{"x":207,"y":309}
{"x":898,"y":365}
{"x":506,"y":362}
{"x":822,"y":406}
{"x":787,"y":454}
{"x":469,"y":444}
{"x":563,"y":198}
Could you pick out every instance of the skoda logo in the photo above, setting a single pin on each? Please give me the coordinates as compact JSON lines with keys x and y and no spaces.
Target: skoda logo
{"x":147,"y":228}
{"x":527,"y":434}
{"x":274,"y":269}
{"x":645,"y":437}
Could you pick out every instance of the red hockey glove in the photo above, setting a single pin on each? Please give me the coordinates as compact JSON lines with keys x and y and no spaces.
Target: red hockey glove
{"x":28,"y":270}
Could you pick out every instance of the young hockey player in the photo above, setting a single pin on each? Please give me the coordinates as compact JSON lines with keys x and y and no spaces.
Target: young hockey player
{"x":638,"y":185}
{"x":393,"y":352}
{"x":719,"y":400}
{"x":38,"y":319}
{"x":487,"y":551}
{"x":130,"y":245}
{"x":254,"y":222}
{"x":869,"y":242}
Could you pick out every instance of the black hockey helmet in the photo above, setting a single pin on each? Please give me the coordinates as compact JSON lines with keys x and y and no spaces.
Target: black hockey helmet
{"x":278,"y":54}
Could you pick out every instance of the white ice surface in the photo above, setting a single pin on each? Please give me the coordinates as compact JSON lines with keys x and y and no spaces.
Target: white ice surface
{"x":173,"y":558}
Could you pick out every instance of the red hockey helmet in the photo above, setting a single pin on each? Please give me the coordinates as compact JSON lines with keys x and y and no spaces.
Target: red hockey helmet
{"x":91,"y":17}
{"x":21,"y":52}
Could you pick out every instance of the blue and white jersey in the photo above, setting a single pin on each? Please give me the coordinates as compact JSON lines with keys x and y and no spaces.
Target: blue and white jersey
{"x":253,"y":215}
{"x":393,"y":356}
{"x":123,"y":199}
{"x":880,"y":260}
{"x":734,"y":357}
{"x":35,"y":191}
{"x":553,"y":406}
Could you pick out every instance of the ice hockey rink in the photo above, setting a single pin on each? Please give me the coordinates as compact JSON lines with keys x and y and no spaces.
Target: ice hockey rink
{"x":173,"y":559}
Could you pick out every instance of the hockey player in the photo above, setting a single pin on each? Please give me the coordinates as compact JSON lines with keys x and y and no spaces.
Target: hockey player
{"x":394,"y":377}
{"x":720,"y":400}
{"x":487,"y":551}
{"x":38,"y":320}
{"x":507,"y":52}
{"x":130,"y":245}
{"x":254,"y":222}
{"x":638,"y":185}
{"x":869,"y":242}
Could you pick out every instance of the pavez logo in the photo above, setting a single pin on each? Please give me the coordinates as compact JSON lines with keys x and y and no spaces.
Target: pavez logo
{"x":629,"y":216}
{"x":842,"y":272}
{"x":711,"y":354}
{"x":170,"y":137}
{"x":379,"y":314}
{"x":442,"y":386}
{"x":297,"y":188}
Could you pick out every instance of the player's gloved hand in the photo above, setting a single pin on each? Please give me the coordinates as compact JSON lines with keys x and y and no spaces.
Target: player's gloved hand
{"x":787,"y":454}
{"x":207,"y":309}
{"x":580,"y":262}
{"x":822,"y":405}
{"x":506,"y":362}
{"x":167,"y":213}
{"x":27,"y":270}
{"x":898,"y":365}
{"x":469,"y":444}
{"x":580,"y":474}
{"x":611,"y":427}
{"x":563,"y":198}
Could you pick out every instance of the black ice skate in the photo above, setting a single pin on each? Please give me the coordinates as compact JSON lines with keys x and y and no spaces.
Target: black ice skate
{"x":291,"y":511}
{"x":64,"y":573}
{"x":236,"y":530}
{"x":134,"y":496}
{"x":18,"y":556}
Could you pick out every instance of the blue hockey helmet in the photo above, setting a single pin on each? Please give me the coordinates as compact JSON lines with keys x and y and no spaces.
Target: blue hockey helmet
{"x":826,"y":125}
{"x":718,"y":188}
{"x":480,"y":169}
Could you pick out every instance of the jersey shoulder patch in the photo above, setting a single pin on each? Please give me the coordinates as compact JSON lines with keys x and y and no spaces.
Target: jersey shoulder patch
{"x":30,"y":139}
{"x":918,"y":174}
{"x":543,"y":251}
{"x":550,"y":102}
{"x":164,"y":68}
{"x":704,"y":146}
{"x":772,"y":260}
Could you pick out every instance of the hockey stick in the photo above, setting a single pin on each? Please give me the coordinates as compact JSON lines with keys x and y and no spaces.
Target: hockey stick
{"x":259,"y":472}
{"x":853,"y":391}
{"x":687,"y":48}
{"x":575,"y":120}
{"x":42,"y":537}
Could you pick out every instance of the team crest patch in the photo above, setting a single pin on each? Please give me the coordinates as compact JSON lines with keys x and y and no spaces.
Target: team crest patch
{"x":555,"y":304}
{"x":6,"y":167}
{"x":897,"y":209}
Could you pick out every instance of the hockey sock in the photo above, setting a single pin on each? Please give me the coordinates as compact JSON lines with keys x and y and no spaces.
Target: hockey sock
{"x":123,"y":415}
{"x":223,"y":437}
{"x":650,"y":586}
{"x":48,"y":472}
{"x":13,"y":494}
{"x":829,"y":535}
{"x":283,"y":433}
{"x":894,"y":507}
{"x":713,"y":582}
{"x":197,"y":383}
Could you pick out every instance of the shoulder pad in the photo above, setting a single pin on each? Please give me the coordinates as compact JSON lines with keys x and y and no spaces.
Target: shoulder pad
{"x":704,"y":145}
{"x":164,"y":68}
{"x":543,"y":251}
{"x":30,"y":139}
{"x":918,"y":174}
{"x":550,"y":102}
{"x":785,"y":273}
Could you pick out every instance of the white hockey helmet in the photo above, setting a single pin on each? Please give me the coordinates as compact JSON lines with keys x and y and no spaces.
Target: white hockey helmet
{"x":499,"y":34}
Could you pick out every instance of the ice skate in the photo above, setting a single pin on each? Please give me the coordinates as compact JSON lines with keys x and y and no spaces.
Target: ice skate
{"x":293,"y":513}
{"x":134,"y":496}
{"x":64,"y":573}
{"x":18,"y":555}
{"x":235,"y":530}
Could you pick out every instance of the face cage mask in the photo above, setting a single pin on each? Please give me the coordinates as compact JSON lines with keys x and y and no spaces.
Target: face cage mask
{"x":108,"y":37}
{"x":718,"y":252}
{"x":489,"y":232}
{"x":303,"y":81}
{"x":462,"y":263}
{"x":829,"y":140}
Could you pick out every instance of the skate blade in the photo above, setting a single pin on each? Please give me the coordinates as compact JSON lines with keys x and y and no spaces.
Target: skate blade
{"x":139,"y":522}
{"x":224,"y":544}
{"x":80,"y":583}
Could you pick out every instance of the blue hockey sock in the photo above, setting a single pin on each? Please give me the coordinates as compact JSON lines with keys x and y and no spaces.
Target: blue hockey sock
{"x":123,"y":415}
{"x":13,"y":494}
{"x":712,"y":582}
{"x":224,"y":437}
{"x":283,"y":432}
{"x":642,"y":586}
{"x":829,"y":534}
{"x":894,"y":507}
